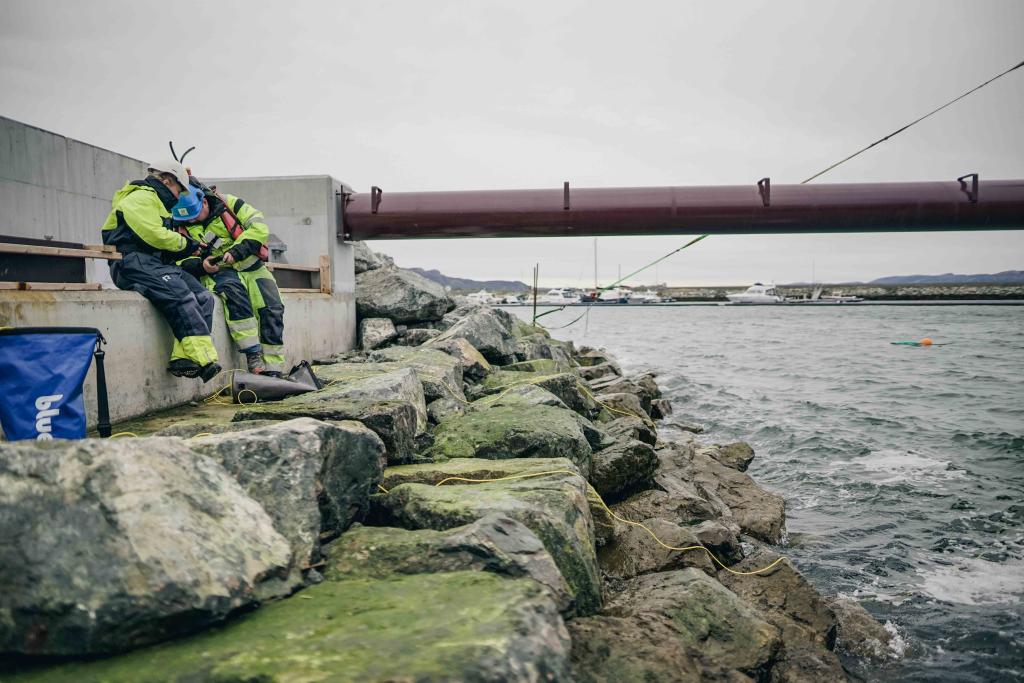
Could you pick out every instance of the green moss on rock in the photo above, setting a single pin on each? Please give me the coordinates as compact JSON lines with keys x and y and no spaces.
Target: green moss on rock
{"x":423,"y":627}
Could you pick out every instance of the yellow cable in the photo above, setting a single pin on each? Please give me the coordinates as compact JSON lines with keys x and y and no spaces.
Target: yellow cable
{"x":114,"y":436}
{"x":381,"y":487}
{"x":196,"y":436}
{"x":256,"y":399}
{"x":595,"y":496}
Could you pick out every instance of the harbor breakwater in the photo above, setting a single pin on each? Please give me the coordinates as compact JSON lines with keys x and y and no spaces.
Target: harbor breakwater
{"x":466,"y":499}
{"x":934,"y":292}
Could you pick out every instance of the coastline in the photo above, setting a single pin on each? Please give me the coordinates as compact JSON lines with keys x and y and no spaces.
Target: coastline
{"x":463,"y":469}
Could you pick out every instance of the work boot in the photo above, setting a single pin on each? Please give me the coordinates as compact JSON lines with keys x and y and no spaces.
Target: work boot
{"x":209,"y":371}
{"x":254,"y":362}
{"x":184,"y":367}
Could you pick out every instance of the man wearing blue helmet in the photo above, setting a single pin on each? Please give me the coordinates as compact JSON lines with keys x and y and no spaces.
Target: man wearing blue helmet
{"x":140,"y":227}
{"x":233,"y":268}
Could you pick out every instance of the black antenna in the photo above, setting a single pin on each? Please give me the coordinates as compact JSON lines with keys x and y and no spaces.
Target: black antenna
{"x":180,"y":159}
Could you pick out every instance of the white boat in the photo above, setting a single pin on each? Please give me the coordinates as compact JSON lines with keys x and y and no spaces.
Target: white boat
{"x":817,"y":298}
{"x":513,"y":300}
{"x":560,"y":296}
{"x":840,"y":298}
{"x":483,"y":297}
{"x":648,"y":296}
{"x":757,"y":294}
{"x":615,"y":295}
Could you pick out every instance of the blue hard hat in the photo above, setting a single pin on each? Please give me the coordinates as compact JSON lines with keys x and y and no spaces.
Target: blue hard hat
{"x":190,"y":203}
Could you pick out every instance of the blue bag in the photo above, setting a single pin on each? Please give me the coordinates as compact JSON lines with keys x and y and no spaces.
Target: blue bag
{"x":42,"y":370}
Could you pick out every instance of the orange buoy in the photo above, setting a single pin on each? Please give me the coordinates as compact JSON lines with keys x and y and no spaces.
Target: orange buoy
{"x":925,"y":342}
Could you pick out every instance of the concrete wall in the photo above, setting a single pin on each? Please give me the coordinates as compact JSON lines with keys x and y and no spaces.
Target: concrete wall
{"x":54,"y":186}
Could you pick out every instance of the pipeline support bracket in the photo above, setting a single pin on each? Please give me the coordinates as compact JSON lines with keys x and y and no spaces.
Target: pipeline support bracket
{"x":764,"y":188}
{"x":375,"y":195}
{"x":565,"y":196}
{"x":972,"y":193}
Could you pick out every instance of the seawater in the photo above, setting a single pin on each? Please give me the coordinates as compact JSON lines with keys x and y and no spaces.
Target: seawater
{"x":902,"y":467}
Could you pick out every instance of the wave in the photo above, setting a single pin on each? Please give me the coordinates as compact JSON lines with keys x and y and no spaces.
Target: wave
{"x":972,"y":581}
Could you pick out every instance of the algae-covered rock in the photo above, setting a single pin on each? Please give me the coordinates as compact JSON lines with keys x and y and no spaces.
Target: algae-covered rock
{"x":476,"y":470}
{"x":494,"y":544}
{"x":545,"y":366}
{"x":444,"y":408}
{"x":377,"y":382}
{"x":669,"y":626}
{"x":622,"y":468}
{"x":376,"y":332}
{"x":596,"y":372}
{"x":516,"y":431}
{"x":634,"y":551}
{"x":415,"y":336}
{"x":786,"y":599}
{"x":401,"y":295}
{"x":807,"y":664}
{"x":452,"y":626}
{"x":440,"y":373}
{"x":526,"y":394}
{"x":393,"y":421}
{"x":554,"y":507}
{"x":188,"y":430}
{"x":474,"y":366}
{"x":566,"y":386}
{"x":310,"y":476}
{"x":620,"y":404}
{"x":112,"y":544}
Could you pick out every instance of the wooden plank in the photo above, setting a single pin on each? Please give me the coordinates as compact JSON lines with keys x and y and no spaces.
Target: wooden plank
{"x":298,"y":290}
{"x":289,"y":266}
{"x":325,"y":274}
{"x":33,"y":250}
{"x":52,"y":286}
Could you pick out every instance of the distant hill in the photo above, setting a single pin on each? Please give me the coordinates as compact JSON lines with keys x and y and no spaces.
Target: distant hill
{"x":467,"y":285}
{"x":1007,"y":277}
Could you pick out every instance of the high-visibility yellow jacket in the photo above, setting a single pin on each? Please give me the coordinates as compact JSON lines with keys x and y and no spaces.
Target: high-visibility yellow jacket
{"x":255,"y":233}
{"x":140,"y":220}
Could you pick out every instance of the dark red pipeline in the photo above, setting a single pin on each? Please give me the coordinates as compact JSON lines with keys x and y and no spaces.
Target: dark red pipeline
{"x":762,"y":208}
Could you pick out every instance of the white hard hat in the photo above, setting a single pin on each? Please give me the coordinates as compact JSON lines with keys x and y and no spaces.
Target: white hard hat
{"x":175,"y":168}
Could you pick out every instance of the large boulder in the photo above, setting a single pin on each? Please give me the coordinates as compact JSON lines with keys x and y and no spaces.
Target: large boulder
{"x":451,"y":626}
{"x":553,"y":506}
{"x":113,"y":544}
{"x":786,"y":599}
{"x":365,"y":258}
{"x":737,"y":455}
{"x":630,"y":427}
{"x":401,"y":295}
{"x":309,"y":476}
{"x":417,"y":335}
{"x":634,"y":551}
{"x":376,"y":382}
{"x":565,"y":385}
{"x":524,"y":394}
{"x":859,"y":634}
{"x":395,"y":422}
{"x":623,"y":468}
{"x":439,"y":373}
{"x":493,"y":544}
{"x":474,"y":366}
{"x":758,"y":512}
{"x":488,"y":330}
{"x":621,"y":404}
{"x":513,"y":431}
{"x":375,"y":332}
{"x":673,"y":626}
{"x":683,"y":510}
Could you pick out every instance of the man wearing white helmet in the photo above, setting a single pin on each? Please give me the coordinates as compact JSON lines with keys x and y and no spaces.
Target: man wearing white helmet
{"x":140,"y":227}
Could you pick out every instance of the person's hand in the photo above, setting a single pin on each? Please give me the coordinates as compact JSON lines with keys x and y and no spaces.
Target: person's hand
{"x":210,"y":268}
{"x":228,"y":258}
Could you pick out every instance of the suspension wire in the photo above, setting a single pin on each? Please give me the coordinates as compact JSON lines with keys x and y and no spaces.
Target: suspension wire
{"x":912,"y":123}
{"x":816,"y":175}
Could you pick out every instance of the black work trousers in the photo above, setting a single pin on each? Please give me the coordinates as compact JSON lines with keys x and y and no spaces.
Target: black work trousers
{"x":185,"y":304}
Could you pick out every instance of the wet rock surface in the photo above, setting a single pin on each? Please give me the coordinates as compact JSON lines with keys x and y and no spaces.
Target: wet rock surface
{"x":374,"y":332}
{"x":110,"y":545}
{"x":510,"y":530}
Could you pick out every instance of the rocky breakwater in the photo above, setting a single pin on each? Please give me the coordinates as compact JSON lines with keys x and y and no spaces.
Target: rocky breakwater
{"x":468,"y":499}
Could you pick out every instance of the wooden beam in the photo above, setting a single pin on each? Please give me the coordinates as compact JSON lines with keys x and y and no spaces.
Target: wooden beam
{"x":33,"y":250}
{"x":298,"y":290}
{"x":289,"y":266}
{"x":325,"y":274}
{"x":52,"y":286}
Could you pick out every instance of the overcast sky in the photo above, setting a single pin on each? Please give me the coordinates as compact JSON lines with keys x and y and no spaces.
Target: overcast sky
{"x":413,"y":95}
